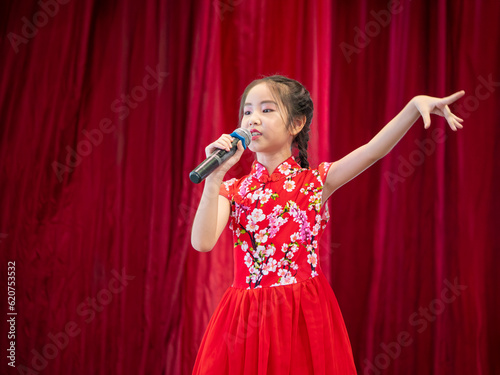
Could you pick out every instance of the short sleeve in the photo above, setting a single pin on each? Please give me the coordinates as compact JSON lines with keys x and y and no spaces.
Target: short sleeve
{"x":323,"y":169}
{"x":227,"y":188}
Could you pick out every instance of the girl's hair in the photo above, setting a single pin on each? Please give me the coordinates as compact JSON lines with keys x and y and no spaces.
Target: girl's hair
{"x":296,"y":102}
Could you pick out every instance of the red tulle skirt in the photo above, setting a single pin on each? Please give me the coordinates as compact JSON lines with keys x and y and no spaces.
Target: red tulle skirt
{"x":290,"y":329}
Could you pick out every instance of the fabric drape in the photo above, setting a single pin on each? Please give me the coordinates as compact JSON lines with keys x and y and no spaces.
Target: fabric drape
{"x":106,"y":106}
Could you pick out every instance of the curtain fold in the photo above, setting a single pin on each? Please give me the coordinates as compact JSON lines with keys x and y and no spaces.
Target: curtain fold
{"x":106,"y":106}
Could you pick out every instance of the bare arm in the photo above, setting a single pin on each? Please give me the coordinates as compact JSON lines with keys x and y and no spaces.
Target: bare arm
{"x":211,"y":217}
{"x":213,"y":211}
{"x":363,"y":157}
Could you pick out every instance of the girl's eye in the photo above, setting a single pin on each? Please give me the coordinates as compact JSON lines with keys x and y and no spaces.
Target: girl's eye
{"x":267,"y":110}
{"x":246,"y":113}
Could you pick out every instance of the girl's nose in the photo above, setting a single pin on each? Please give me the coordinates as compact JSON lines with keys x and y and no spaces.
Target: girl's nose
{"x":253,"y":120}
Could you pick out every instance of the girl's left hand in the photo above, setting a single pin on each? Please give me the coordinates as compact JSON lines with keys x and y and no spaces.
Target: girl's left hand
{"x":438,"y":106}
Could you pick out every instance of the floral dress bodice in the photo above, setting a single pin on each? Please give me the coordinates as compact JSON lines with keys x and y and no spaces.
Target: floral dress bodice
{"x":276,"y":221}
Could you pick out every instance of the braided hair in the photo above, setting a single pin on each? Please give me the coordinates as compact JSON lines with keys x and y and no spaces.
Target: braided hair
{"x":296,"y":102}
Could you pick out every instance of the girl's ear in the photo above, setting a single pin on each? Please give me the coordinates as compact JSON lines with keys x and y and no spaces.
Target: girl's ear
{"x":298,"y":125}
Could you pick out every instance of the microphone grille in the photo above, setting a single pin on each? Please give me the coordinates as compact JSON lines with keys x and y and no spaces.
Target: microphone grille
{"x":245,"y":133}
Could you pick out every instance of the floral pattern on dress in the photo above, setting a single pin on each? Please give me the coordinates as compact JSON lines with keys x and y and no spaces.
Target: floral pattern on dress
{"x":276,"y":221}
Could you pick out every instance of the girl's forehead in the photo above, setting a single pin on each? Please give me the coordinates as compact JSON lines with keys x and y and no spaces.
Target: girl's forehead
{"x":259,"y":92}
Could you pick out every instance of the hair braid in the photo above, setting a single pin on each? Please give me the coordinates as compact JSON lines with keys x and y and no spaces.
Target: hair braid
{"x":301,"y":141}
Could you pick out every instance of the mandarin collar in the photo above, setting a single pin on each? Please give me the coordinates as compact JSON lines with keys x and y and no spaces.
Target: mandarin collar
{"x":287,"y":167}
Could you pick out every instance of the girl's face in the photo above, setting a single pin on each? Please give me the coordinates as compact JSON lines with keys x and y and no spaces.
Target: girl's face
{"x":265,"y":118}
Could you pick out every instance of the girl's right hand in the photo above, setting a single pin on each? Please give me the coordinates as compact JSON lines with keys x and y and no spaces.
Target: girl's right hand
{"x":224,"y":143}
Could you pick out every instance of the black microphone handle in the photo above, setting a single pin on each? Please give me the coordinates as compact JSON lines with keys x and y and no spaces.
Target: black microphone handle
{"x":212,"y":162}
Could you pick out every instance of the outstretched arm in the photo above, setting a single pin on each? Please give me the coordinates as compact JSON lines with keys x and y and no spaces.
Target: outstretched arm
{"x":360,"y":159}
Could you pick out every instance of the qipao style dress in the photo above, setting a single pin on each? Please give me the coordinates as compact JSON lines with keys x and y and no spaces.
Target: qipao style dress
{"x":280,"y":316}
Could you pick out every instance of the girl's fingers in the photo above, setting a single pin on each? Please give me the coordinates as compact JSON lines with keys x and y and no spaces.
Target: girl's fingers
{"x":455,"y":125}
{"x":427,"y":119}
{"x":450,"y":113}
{"x":450,"y":99}
{"x":225,"y":142}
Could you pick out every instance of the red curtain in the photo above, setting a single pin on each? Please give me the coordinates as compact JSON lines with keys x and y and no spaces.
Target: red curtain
{"x":106,"y":106}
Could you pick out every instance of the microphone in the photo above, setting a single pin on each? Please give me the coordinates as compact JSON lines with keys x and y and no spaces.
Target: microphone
{"x":220,"y":156}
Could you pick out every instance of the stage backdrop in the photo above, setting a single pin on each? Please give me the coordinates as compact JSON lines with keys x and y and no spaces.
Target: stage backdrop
{"x":105,"y":107}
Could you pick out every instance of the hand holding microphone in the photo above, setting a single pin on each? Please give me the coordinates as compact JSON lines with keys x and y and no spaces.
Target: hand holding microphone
{"x":220,"y":151}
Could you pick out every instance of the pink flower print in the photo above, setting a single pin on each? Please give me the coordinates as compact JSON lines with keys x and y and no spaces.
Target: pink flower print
{"x":229,"y":183}
{"x":248,"y":260}
{"x":284,"y":168}
{"x":264,"y":197}
{"x":257,"y":215}
{"x":261,"y":237}
{"x":315,"y":244}
{"x":239,"y":211}
{"x":277,"y":210}
{"x":288,"y":279}
{"x":244,"y":186}
{"x":301,"y":218}
{"x":251,"y":227}
{"x":244,"y":246}
{"x":326,"y":214}
{"x":274,"y":224}
{"x":253,"y":197}
{"x":282,"y":272}
{"x":259,"y":253}
{"x":317,"y":205}
{"x":294,"y":266}
{"x":294,"y":237}
{"x":273,"y":227}
{"x":289,"y":255}
{"x":314,"y":274}
{"x":315,"y":199}
{"x":270,"y":250}
{"x":312,"y":259}
{"x":270,"y":266}
{"x":289,"y":185}
{"x":259,"y":169}
{"x":284,"y":247}
{"x":294,"y":248}
{"x":316,"y":229}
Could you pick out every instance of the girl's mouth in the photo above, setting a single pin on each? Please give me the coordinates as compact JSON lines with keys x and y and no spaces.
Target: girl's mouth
{"x":255,"y":134}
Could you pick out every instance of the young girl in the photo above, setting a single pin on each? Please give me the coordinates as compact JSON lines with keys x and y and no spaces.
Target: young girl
{"x":280,"y":316}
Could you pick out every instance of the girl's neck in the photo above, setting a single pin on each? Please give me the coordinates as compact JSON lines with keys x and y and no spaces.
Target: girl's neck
{"x":272,"y":161}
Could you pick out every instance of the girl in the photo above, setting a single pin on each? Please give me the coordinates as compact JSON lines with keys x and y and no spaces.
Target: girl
{"x":280,"y":316}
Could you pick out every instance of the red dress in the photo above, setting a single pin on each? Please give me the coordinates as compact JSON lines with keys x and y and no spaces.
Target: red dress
{"x":280,"y":316}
